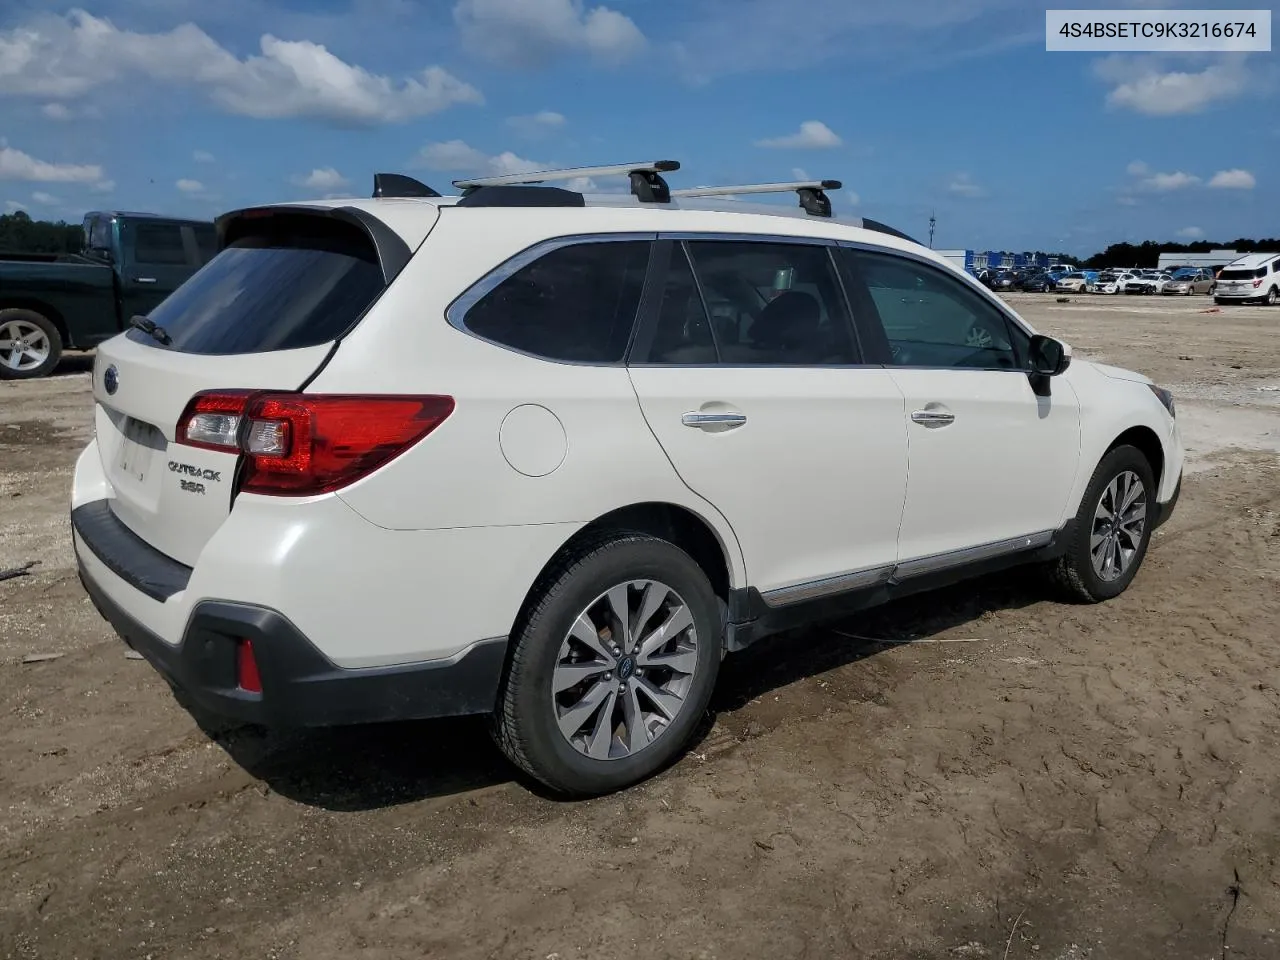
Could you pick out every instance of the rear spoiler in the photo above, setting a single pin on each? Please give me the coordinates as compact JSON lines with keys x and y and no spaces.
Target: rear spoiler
{"x":393,"y":253}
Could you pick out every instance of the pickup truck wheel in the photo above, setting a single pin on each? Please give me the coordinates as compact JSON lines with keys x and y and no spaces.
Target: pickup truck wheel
{"x":1112,"y":529}
{"x":30,"y":345}
{"x":611,"y":666}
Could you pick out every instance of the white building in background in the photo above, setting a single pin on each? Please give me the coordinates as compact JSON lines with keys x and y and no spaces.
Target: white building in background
{"x":1214,"y":258}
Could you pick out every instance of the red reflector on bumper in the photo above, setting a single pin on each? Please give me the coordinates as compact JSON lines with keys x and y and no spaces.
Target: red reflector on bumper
{"x":247,"y":668}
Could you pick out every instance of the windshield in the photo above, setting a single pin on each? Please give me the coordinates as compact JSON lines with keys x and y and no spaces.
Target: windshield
{"x":290,"y":289}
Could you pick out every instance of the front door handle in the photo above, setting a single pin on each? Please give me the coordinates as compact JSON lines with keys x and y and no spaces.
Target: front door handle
{"x":144,"y":279}
{"x":712,"y":421}
{"x":933,"y":418}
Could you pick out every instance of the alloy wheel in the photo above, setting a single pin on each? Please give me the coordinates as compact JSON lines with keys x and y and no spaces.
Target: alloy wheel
{"x":1118,"y":525}
{"x":23,"y":345}
{"x":624,"y":670}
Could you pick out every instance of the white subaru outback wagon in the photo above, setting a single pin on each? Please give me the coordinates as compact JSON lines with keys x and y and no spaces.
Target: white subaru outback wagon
{"x":549,"y":458}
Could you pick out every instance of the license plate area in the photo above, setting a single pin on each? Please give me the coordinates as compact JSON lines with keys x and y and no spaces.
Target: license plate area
{"x":139,"y":441}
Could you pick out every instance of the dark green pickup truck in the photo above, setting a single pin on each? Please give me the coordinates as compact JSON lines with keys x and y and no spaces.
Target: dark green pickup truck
{"x":52,"y":302}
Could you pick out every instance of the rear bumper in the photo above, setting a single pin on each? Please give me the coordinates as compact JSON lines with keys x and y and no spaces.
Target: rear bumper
{"x":301,"y":687}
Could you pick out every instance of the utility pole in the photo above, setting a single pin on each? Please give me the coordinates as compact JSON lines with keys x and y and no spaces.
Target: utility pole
{"x":932,"y":223}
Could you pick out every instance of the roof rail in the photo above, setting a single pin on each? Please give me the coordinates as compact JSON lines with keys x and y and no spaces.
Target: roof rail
{"x":812,"y":198}
{"x":646,"y":182}
{"x":398,"y":185}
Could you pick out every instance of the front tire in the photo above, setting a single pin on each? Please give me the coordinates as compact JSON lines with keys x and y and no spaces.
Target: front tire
{"x":612,"y":665}
{"x":30,"y":345}
{"x":1112,"y":529}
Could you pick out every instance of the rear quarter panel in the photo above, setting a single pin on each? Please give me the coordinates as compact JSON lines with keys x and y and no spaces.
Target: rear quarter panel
{"x":600,"y":451}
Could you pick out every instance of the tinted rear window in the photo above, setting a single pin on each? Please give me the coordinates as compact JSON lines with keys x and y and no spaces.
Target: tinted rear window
{"x":1242,"y":274}
{"x":575,"y":303}
{"x":298,"y":282}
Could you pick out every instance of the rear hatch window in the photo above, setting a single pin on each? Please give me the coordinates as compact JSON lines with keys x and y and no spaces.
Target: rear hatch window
{"x":294,"y":282}
{"x":1243,"y":274}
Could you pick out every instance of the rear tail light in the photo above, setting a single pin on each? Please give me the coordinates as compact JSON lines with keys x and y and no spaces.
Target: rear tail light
{"x":298,"y":444}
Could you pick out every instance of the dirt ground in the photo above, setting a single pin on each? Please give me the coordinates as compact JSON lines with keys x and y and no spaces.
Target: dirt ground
{"x":1047,"y":781}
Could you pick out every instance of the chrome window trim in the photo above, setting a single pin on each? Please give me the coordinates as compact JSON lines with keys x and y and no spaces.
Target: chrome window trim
{"x":456,"y":312}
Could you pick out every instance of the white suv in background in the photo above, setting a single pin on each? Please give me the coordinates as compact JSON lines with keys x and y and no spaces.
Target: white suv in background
{"x":1254,"y":278}
{"x":549,"y":458}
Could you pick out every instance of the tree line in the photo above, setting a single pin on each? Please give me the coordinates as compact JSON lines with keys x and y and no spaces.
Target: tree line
{"x":1147,"y":253}
{"x":20,"y":234}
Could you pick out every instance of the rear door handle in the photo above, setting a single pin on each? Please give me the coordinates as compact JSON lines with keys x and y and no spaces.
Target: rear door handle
{"x":933,"y":418}
{"x":144,"y":279}
{"x":704,"y":421}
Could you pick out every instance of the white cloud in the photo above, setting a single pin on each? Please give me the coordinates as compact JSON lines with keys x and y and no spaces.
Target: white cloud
{"x":202,"y":156}
{"x":1138,"y":168}
{"x":56,"y":111}
{"x":62,"y":58}
{"x":190,"y":186}
{"x":103,"y":186}
{"x":963,"y":185}
{"x":45,"y":198}
{"x":1126,"y":201}
{"x":1233,"y":180}
{"x":16,"y":165}
{"x":534,"y":32}
{"x":537,"y":124}
{"x":812,"y":135}
{"x":1165,"y":182}
{"x":799,"y":173}
{"x":13,"y":206}
{"x":322,"y":179}
{"x":1141,"y":85}
{"x":1191,"y":233}
{"x":853,"y":198}
{"x":458,"y":156}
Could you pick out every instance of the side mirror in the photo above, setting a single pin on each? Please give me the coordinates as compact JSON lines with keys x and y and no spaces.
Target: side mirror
{"x":1048,"y":357}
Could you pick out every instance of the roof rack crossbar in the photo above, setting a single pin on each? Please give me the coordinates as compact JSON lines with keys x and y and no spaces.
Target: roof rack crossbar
{"x":813,"y":199}
{"x":646,"y":181}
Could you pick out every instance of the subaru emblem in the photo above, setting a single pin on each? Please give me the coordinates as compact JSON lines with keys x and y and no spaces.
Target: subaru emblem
{"x":111,"y":379}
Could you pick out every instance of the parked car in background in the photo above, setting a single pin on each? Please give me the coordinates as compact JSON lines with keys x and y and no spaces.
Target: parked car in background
{"x":1251,"y":279}
{"x":1075,"y":282}
{"x":53,"y":302}
{"x":1188,"y":281}
{"x":1004,"y":280}
{"x":1036,"y":282}
{"x":1146,"y":282}
{"x":1111,"y":282}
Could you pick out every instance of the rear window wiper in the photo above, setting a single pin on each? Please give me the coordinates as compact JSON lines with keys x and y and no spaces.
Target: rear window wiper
{"x":151,"y":328}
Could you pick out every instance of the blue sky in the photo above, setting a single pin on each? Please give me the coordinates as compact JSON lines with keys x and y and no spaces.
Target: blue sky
{"x":919,"y":106}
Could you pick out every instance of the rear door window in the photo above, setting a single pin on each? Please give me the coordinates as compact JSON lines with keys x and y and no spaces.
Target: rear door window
{"x":778,"y":304}
{"x":158,"y":244}
{"x":295,"y":282}
{"x":573,"y":304}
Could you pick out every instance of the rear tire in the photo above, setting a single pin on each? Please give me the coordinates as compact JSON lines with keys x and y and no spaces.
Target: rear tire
{"x":585,"y":719}
{"x":1272,"y":297}
{"x":1112,"y":529}
{"x":30,"y":345}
